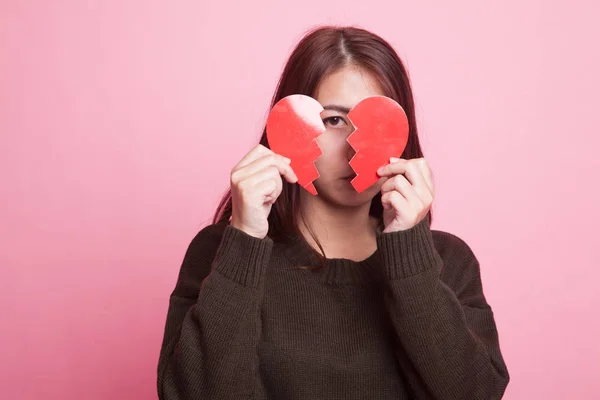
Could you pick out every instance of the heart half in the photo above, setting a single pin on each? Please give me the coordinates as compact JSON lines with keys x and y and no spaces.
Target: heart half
{"x":381,"y":132}
{"x":293,"y":125}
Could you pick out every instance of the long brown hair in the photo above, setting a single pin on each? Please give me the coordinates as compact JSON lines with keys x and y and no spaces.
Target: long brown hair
{"x":322,"y":51}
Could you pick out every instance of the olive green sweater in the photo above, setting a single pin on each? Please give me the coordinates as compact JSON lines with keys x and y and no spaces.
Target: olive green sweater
{"x":409,"y":322}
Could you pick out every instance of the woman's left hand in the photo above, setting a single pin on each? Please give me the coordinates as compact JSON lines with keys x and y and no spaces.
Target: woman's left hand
{"x":408,"y":193}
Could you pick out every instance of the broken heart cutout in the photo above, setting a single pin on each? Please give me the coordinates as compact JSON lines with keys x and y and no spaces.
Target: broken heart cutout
{"x":293,"y":126}
{"x":381,"y":132}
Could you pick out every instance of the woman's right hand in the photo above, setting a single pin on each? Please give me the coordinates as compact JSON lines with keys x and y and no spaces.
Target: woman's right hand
{"x":255,"y":185}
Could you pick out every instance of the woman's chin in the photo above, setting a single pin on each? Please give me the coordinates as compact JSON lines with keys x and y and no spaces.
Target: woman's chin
{"x":343,"y":193}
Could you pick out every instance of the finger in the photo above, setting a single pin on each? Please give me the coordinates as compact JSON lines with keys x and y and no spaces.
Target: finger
{"x":415,"y":176}
{"x":268,"y":160}
{"x":424,"y":166}
{"x":394,"y":168}
{"x":394,"y":183}
{"x":401,"y":185}
{"x":394,"y":200}
{"x":257,"y":152}
{"x":253,"y":185}
{"x":412,"y":170}
{"x":269,"y":190}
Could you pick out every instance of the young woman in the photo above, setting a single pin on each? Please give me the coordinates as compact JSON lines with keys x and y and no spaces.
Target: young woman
{"x":343,"y":295}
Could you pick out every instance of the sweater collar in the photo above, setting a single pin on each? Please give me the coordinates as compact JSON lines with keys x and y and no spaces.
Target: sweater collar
{"x":333,"y":271}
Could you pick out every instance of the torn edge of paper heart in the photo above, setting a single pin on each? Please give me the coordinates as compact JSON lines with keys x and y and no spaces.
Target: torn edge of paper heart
{"x":361,"y":183}
{"x":358,"y":178}
{"x":303,"y":107}
{"x":310,"y":186}
{"x":353,"y":182}
{"x":320,"y":127}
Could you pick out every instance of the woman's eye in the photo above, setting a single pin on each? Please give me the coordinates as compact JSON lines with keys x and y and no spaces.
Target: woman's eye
{"x":334,"y":122}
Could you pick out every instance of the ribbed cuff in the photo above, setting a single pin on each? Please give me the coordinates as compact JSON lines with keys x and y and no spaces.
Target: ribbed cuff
{"x":410,"y":252}
{"x":242,"y":257}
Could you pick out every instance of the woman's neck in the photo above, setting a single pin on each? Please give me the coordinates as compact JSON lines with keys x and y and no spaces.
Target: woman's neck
{"x":344,"y":232}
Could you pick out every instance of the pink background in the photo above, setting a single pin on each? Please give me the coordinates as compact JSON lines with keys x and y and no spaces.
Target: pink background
{"x":107,"y":110}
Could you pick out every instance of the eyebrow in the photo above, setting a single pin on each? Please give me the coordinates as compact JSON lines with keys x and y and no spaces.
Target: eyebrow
{"x":334,"y":107}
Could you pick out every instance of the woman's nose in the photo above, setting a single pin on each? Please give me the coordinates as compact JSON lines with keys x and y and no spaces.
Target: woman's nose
{"x":350,"y":152}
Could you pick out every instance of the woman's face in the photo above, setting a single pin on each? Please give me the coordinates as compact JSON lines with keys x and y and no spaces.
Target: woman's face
{"x":338,"y":93}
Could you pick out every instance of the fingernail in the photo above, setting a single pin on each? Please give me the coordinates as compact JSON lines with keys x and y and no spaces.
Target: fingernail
{"x":287,"y":160}
{"x":394,"y":159}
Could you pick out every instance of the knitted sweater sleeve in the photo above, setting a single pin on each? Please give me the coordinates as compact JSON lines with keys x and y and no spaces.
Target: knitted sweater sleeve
{"x":447,"y":342}
{"x":212,"y":326}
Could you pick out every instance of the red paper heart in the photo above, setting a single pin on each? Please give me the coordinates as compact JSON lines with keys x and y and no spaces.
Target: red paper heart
{"x":293,"y":126}
{"x":381,"y":132}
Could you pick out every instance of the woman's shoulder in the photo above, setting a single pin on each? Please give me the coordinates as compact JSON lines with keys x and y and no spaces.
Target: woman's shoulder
{"x":450,"y":244}
{"x":460,"y":269}
{"x":198,"y":258}
{"x":210,"y":234}
{"x":206,"y":242}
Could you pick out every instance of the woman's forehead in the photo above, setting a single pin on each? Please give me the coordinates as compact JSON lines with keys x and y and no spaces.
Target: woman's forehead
{"x":346,"y":87}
